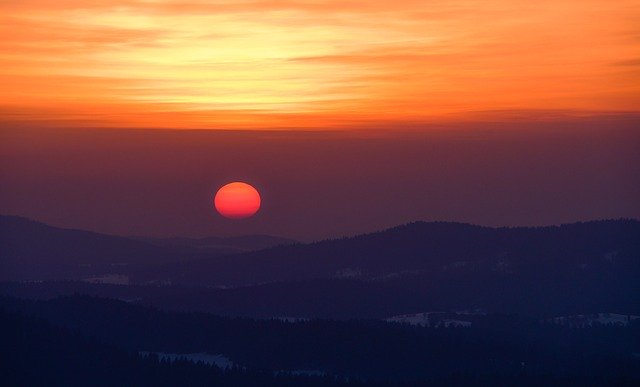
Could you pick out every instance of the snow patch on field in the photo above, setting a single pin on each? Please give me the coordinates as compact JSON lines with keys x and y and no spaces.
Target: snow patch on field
{"x":584,"y":320}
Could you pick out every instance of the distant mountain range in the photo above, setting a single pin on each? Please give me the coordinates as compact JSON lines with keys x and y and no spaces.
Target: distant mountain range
{"x":430,"y":249}
{"x":578,"y":268}
{"x":31,"y":250}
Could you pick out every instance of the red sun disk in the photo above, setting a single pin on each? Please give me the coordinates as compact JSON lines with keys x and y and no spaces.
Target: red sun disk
{"x":237,"y":200}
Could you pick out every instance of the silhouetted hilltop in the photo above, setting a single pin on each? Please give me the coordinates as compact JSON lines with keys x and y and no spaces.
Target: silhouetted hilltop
{"x":34,"y":251}
{"x":431,"y":248}
{"x":31,"y":250}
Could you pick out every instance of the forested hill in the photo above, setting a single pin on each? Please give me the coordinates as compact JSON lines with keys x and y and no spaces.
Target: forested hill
{"x":578,"y":249}
{"x":494,"y":346}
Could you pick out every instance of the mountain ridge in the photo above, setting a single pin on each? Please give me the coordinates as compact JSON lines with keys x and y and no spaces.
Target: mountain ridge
{"x":425,"y":246}
{"x":32,"y":250}
{"x":412,"y":247}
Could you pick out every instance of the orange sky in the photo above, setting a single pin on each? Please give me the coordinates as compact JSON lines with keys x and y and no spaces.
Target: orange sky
{"x":265,"y":64}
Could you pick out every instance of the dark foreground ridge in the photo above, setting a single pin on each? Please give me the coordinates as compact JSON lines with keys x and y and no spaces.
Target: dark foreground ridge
{"x":84,"y":340}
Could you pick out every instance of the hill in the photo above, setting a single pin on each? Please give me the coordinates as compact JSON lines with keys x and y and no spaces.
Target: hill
{"x":35,"y":352}
{"x":431,"y":249}
{"x":493,"y":346}
{"x":34,"y":251}
{"x":572,"y":269}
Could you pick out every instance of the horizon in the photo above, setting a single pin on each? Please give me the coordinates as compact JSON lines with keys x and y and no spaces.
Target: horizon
{"x":348,"y":236}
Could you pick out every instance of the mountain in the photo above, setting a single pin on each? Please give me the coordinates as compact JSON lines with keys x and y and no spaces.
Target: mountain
{"x":577,"y":268}
{"x":572,"y":269}
{"x":597,"y":248}
{"x":504,"y":306}
{"x":35,"y":251}
{"x":31,"y":250}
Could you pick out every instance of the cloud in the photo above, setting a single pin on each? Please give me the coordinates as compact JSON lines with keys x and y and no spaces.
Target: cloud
{"x":219,"y":63}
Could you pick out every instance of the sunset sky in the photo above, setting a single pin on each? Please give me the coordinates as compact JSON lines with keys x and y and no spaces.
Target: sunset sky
{"x":311,"y":64}
{"x":347,"y":116}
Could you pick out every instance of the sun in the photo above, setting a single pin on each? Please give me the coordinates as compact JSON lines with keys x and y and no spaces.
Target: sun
{"x":237,"y":200}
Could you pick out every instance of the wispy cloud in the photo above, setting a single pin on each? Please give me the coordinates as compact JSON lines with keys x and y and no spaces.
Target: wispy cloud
{"x":310,"y":63}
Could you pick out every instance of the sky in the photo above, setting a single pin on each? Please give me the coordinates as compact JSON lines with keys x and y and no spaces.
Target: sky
{"x":321,"y":184}
{"x":312,"y":64}
{"x":126,"y":116}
